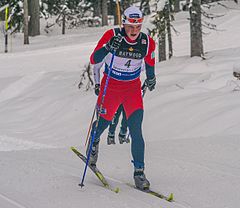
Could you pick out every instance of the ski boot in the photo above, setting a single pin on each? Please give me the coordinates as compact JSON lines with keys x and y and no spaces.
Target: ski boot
{"x":110,"y":138}
{"x":123,"y":137}
{"x":94,"y":153}
{"x":140,"y":179}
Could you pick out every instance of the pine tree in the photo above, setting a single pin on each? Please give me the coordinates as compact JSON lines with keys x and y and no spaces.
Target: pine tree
{"x":162,"y":28}
{"x":145,"y":7}
{"x":196,"y":23}
{"x":16,"y":13}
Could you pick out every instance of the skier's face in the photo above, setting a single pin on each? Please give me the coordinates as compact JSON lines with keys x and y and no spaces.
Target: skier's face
{"x":132,"y":31}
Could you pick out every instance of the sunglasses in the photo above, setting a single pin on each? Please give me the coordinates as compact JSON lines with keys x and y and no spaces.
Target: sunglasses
{"x":135,"y":20}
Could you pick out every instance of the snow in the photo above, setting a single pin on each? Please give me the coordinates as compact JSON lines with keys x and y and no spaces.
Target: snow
{"x":191,"y":125}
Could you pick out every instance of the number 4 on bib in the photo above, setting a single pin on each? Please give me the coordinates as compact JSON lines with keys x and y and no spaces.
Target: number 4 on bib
{"x":128,"y":63}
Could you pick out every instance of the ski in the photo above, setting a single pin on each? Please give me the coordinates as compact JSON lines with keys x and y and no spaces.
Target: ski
{"x":96,"y":171}
{"x":154,"y":193}
{"x":101,"y":177}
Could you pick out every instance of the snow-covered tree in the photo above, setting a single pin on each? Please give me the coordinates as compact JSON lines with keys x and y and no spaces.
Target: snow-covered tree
{"x":162,"y":28}
{"x":197,"y":10}
{"x":15,"y":12}
{"x":125,"y":4}
{"x":145,"y":7}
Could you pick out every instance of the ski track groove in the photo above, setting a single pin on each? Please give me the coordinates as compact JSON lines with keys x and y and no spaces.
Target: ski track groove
{"x":180,"y":205}
{"x":11,"y":201}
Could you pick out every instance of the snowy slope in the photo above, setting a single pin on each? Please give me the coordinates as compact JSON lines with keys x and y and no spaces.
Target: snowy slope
{"x":190,"y":125}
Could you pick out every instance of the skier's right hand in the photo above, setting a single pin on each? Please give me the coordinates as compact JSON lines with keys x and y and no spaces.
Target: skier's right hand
{"x":97,"y":89}
{"x":114,"y":43}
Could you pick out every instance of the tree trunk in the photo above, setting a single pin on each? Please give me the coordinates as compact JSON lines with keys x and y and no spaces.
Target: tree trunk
{"x":114,"y":11}
{"x":63,"y":22}
{"x":187,"y":5}
{"x":34,"y":23}
{"x":196,"y":29}
{"x":125,"y":4}
{"x":25,"y":8}
{"x":162,"y":47}
{"x":97,"y":8}
{"x":168,"y":27}
{"x":104,"y":13}
{"x":176,"y":5}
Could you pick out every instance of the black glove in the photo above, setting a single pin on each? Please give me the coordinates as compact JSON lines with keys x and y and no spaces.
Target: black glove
{"x":114,"y":43}
{"x":97,"y":89}
{"x":150,"y":83}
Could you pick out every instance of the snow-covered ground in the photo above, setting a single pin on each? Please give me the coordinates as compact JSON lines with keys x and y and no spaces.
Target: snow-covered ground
{"x":191,"y":125}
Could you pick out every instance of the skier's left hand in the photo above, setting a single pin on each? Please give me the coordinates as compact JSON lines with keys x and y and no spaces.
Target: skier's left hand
{"x":150,"y":83}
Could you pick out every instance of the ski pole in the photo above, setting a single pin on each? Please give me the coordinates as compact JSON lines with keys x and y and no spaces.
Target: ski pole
{"x":96,"y":126}
{"x":90,"y":126}
{"x":144,"y":89}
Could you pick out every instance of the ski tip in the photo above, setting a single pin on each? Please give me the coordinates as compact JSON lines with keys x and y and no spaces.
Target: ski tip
{"x":72,"y":148}
{"x":170,"y":198}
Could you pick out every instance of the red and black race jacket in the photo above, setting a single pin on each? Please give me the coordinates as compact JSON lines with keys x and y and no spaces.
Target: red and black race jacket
{"x":128,"y":60}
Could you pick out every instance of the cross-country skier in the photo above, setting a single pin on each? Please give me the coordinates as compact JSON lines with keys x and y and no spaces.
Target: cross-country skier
{"x":132,"y":47}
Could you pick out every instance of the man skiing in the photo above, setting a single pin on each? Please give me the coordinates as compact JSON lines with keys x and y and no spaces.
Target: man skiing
{"x":130,"y":47}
